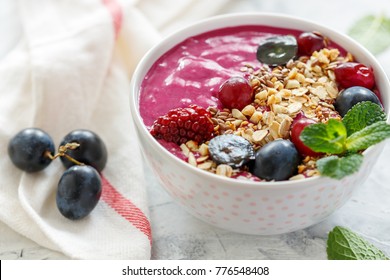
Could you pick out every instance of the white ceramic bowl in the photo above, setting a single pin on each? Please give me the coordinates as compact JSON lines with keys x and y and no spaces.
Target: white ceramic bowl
{"x":261,"y":208}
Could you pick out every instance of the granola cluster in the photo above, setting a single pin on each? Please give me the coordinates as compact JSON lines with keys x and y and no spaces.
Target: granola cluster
{"x":304,"y":85}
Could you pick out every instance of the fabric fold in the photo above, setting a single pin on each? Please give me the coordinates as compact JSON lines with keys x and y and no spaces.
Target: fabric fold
{"x":71,"y":69}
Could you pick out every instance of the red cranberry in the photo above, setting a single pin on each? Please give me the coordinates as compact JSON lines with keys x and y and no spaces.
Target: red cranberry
{"x":351,"y":74}
{"x":296,"y":129}
{"x":235,"y":93}
{"x":309,"y":42}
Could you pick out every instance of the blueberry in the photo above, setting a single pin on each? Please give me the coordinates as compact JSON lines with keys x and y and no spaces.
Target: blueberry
{"x":230,"y":149}
{"x":28,"y":147}
{"x":277,"y":160}
{"x":92,"y":150}
{"x":78,"y":192}
{"x":277,"y":50}
{"x":353,"y":95}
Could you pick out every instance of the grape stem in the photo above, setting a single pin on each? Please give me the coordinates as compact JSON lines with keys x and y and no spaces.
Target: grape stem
{"x":62,"y":153}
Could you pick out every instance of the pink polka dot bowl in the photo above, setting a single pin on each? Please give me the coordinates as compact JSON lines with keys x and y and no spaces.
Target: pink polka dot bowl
{"x":259,"y":208}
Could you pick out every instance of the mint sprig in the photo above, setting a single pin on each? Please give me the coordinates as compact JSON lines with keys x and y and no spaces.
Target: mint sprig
{"x":364,"y":125}
{"x":336,"y":167}
{"x":344,"y":244}
{"x":368,"y":136}
{"x":361,"y":115}
{"x":325,"y":138}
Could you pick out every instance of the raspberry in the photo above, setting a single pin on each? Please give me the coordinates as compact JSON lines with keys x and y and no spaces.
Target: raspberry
{"x":183,"y":124}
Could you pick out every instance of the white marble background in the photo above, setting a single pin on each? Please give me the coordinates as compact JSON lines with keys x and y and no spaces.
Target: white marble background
{"x":177,"y":235}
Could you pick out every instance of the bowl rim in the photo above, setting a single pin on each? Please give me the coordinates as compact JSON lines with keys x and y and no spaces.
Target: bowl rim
{"x":201,"y":26}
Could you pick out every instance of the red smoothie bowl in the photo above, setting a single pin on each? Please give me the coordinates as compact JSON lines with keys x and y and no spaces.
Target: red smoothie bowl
{"x":188,"y":67}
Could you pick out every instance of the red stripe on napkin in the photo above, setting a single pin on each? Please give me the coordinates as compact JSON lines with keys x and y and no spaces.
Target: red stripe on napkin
{"x":110,"y":195}
{"x":125,"y":208}
{"x":115,"y":10}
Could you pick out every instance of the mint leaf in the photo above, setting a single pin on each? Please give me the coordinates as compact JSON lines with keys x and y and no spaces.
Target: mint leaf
{"x":368,"y":136}
{"x":373,"y":32}
{"x":343,"y":244}
{"x":361,"y":115}
{"x":339,"y":167}
{"x":325,"y":138}
{"x":364,"y":125}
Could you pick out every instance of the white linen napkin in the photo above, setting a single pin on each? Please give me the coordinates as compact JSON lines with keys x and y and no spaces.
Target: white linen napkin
{"x":71,"y":69}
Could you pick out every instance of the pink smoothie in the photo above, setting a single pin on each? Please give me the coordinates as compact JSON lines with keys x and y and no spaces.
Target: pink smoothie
{"x":192,"y":71}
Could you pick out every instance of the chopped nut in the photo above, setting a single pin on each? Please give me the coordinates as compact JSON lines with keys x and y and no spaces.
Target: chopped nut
{"x":300,"y":78}
{"x":192,"y":159}
{"x":281,"y":117}
{"x":300,"y":91}
{"x":320,"y":92}
{"x":297,"y":177}
{"x":323,"y":79}
{"x":268,"y":117}
{"x":279,"y":109}
{"x":192,"y":145}
{"x":247,"y":135}
{"x":285,"y":93}
{"x":274,"y":130}
{"x":317,"y":69}
{"x":238,"y":115}
{"x":205,"y":165}
{"x":293,"y":73}
{"x":278,"y":85}
{"x":284,"y":129}
{"x":249,"y":131}
{"x":294,"y":108}
{"x":185,"y":150}
{"x":299,"y":99}
{"x":244,"y":123}
{"x":255,"y":83}
{"x":256,"y":117}
{"x":333,"y":54}
{"x":204,"y":150}
{"x":292,"y":84}
{"x":309,"y":80}
{"x":237,"y":123}
{"x":271,"y":100}
{"x":224,"y":170}
{"x":259,"y":135}
{"x":332,"y":90}
{"x":202,"y":159}
{"x":323,"y":58}
{"x":248,"y":110}
{"x":262,"y":95}
{"x":311,"y":173}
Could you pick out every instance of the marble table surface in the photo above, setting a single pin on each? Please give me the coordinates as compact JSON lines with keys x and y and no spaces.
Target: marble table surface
{"x":178,"y":235}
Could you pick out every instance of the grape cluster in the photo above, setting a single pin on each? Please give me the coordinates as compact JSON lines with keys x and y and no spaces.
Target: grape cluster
{"x":82,"y":152}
